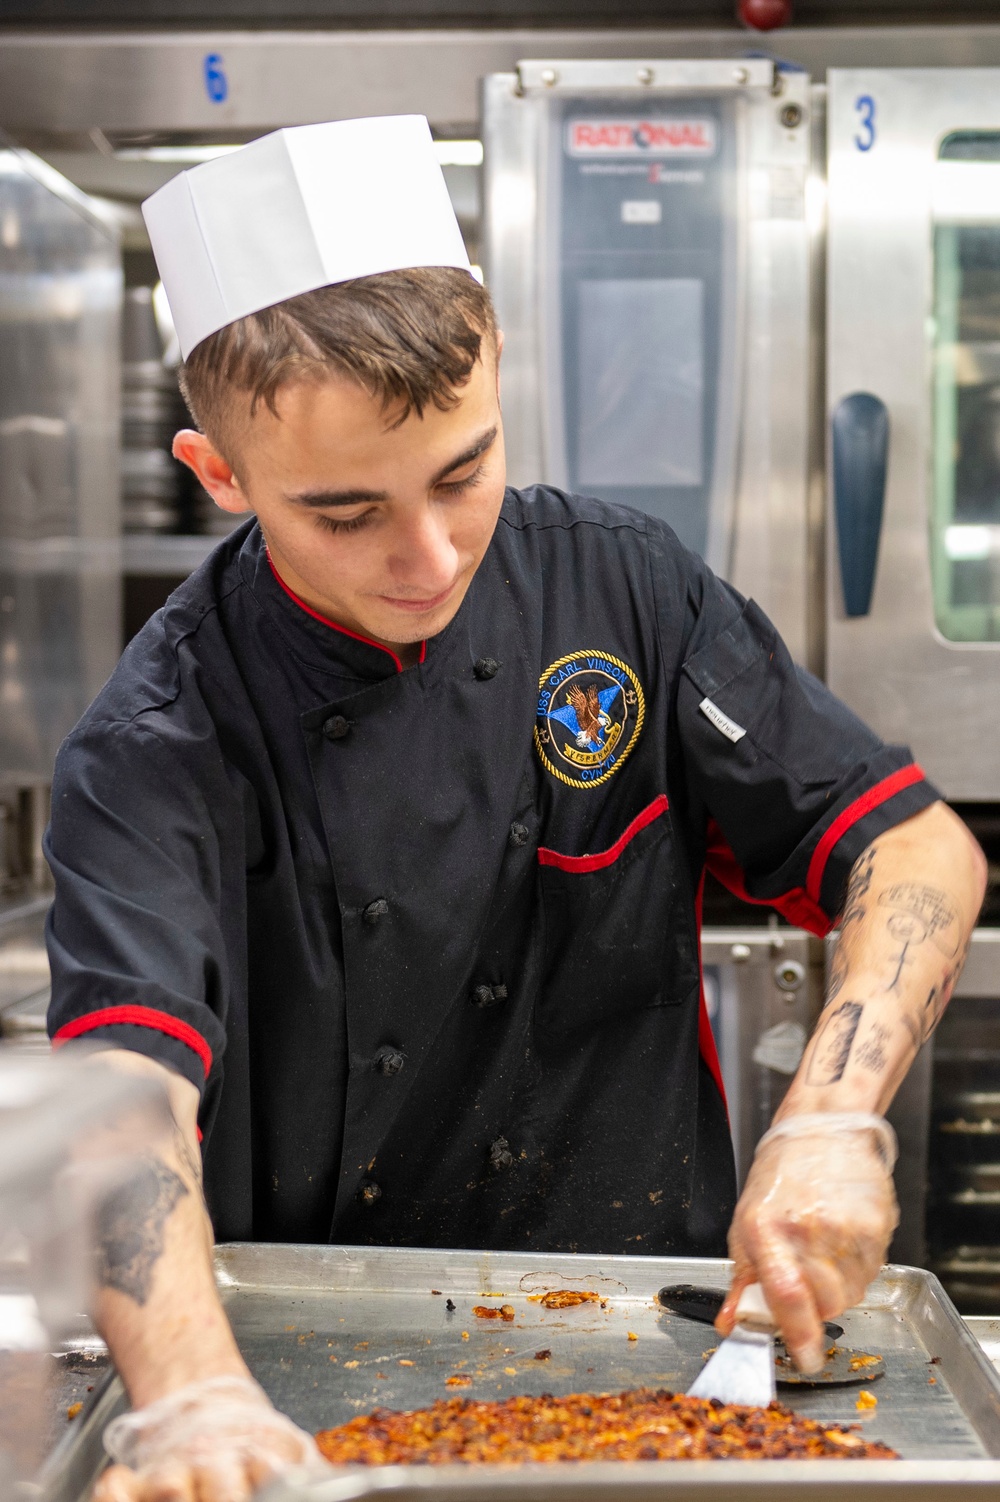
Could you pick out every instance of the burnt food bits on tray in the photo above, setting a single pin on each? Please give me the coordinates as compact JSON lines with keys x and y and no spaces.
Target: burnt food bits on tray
{"x":641,"y":1424}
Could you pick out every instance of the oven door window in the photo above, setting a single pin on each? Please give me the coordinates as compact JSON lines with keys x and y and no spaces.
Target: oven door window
{"x":965,"y":513}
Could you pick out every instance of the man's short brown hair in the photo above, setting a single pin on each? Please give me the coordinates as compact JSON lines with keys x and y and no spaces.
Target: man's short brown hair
{"x":408,"y":337}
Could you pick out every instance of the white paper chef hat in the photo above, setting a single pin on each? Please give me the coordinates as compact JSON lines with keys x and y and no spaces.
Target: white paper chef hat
{"x":299,"y":209}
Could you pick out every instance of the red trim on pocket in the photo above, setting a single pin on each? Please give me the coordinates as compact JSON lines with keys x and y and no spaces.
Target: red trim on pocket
{"x":584,"y":863}
{"x":795,"y":905}
{"x":325,"y":621}
{"x":706,"y":1038}
{"x":131,"y":1016}
{"x":873,"y":798}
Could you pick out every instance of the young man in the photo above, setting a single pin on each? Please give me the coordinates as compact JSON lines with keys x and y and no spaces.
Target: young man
{"x":384,"y":844}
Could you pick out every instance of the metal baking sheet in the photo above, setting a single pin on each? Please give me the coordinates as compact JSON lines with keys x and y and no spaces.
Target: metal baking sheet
{"x":332,"y":1332}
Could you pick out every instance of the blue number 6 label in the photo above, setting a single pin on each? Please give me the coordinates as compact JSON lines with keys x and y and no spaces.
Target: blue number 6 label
{"x":865,"y":107}
{"x":216,"y":82}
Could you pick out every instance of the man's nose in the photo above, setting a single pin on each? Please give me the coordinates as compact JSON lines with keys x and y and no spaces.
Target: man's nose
{"x":425,"y":555}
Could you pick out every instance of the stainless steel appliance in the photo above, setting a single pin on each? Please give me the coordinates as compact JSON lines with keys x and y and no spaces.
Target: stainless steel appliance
{"x":60,"y":298}
{"x":913,"y":329}
{"x":647,"y":242}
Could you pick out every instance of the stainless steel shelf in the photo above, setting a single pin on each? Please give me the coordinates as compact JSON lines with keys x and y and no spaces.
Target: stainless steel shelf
{"x":165,"y":554}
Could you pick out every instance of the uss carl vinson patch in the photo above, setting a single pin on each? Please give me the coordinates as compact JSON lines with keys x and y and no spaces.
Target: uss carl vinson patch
{"x":590,"y":711}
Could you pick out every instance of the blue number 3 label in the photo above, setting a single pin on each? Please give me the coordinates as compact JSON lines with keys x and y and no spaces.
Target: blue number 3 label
{"x":216,"y":82}
{"x":865,"y":107}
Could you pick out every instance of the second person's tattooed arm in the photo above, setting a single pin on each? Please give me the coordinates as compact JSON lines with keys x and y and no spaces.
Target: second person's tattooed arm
{"x":912,"y":902}
{"x":817,"y":1213}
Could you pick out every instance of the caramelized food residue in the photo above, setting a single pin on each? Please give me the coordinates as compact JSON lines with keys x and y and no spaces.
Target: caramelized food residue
{"x":639,"y":1425}
{"x":565,"y":1298}
{"x":859,"y":1362}
{"x":866,"y":1399}
{"x":483,"y":1311}
{"x":458,"y":1381}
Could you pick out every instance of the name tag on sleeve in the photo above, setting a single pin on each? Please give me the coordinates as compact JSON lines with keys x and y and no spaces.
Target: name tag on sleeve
{"x":722,"y":722}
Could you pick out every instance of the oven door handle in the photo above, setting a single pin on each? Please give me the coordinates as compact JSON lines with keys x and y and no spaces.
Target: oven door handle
{"x":860,"y":460}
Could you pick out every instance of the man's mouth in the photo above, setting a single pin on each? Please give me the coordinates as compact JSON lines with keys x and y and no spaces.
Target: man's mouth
{"x":418,"y":606}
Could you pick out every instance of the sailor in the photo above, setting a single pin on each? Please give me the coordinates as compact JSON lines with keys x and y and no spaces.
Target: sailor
{"x":384,"y":845}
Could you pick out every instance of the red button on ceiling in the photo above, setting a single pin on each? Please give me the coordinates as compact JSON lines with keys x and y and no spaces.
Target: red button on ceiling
{"x":765,"y":15}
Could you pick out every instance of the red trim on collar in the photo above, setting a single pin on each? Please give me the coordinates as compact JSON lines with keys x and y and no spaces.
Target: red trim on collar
{"x":583,"y":863}
{"x":873,"y":798}
{"x":132,"y":1016}
{"x":325,"y":620}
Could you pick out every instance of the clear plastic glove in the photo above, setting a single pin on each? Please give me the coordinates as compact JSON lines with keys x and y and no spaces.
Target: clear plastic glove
{"x":813,"y":1223}
{"x":212,"y":1441}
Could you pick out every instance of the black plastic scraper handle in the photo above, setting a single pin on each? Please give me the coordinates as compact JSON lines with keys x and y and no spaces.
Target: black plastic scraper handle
{"x":703,"y":1304}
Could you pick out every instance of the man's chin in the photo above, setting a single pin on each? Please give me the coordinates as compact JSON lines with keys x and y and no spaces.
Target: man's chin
{"x":397,"y":628}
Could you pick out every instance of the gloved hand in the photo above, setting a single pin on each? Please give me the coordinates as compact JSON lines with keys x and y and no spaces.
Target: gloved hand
{"x":813,"y":1223}
{"x":213,"y":1441}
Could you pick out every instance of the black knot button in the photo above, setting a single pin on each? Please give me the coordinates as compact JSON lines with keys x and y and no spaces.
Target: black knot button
{"x":336,"y":727}
{"x":374,"y":911}
{"x":486,"y":667}
{"x":488,"y":996}
{"x":518,"y":836}
{"x":389,"y":1061}
{"x":501,"y":1156}
{"x":370,"y":1193}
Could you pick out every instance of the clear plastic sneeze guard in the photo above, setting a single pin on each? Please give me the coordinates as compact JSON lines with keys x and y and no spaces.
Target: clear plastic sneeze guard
{"x":71,"y":1134}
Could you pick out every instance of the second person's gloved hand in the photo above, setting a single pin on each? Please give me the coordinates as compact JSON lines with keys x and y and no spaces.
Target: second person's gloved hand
{"x":212,"y":1441}
{"x":813,"y":1223}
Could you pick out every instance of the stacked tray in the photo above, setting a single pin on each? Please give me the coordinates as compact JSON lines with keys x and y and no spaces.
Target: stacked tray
{"x":332,"y":1332}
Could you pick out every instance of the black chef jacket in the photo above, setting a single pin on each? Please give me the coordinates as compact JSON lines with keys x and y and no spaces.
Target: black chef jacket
{"x":427,"y":940}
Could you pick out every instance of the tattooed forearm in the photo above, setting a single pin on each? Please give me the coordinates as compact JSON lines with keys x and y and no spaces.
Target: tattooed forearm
{"x":832,"y":1044}
{"x":130,"y":1228}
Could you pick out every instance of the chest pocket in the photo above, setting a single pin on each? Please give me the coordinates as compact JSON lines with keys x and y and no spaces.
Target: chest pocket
{"x":619,"y":930}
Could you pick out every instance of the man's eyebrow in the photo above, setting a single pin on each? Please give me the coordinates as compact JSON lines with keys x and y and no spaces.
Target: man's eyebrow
{"x":473,"y":452}
{"x":319,"y":500}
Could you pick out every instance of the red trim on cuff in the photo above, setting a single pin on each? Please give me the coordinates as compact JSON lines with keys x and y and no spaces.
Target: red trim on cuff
{"x":131,"y":1016}
{"x":584,"y":863}
{"x":706,"y":1038}
{"x":325,"y":621}
{"x":872,"y":799}
{"x":795,"y":905}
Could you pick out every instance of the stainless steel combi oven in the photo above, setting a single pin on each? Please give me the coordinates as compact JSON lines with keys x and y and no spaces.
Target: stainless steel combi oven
{"x":647,"y":243}
{"x":913,"y":332}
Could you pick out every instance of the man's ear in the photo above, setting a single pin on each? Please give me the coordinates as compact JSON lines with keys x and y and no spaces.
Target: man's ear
{"x":216,"y":476}
{"x":499,"y":353}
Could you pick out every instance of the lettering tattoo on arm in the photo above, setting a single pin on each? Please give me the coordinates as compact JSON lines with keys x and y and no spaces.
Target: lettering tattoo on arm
{"x":130,"y":1228}
{"x":871,"y":1054}
{"x":832,"y":1044}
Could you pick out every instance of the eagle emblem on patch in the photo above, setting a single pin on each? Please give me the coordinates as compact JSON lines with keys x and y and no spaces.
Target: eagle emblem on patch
{"x":590,"y":711}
